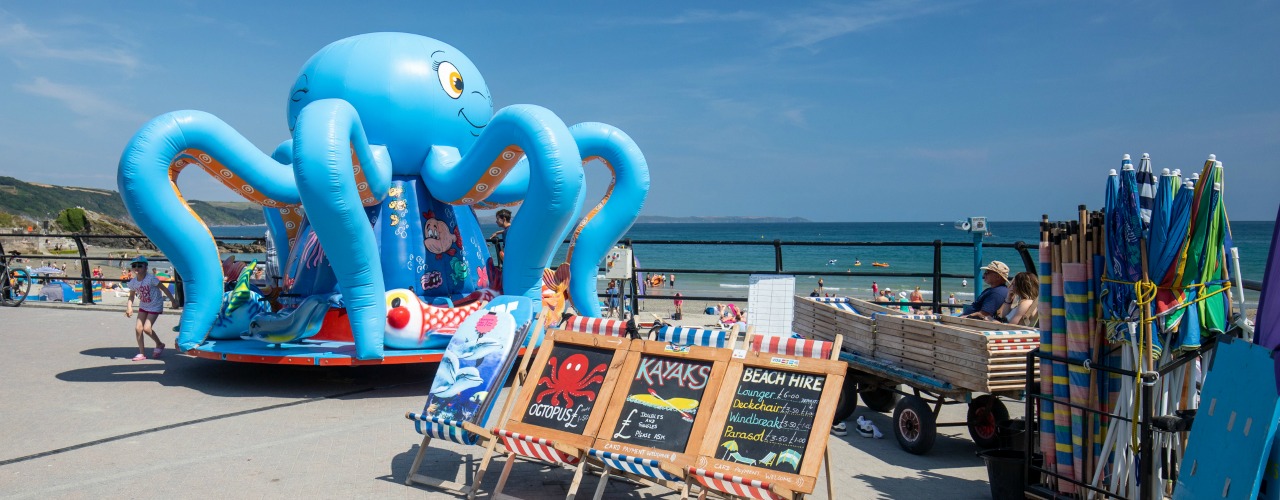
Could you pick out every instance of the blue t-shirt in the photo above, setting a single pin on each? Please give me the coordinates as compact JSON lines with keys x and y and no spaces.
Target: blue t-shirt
{"x":988,"y":301}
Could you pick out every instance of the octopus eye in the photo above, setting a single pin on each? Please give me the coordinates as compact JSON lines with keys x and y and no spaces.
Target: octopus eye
{"x":450,"y":79}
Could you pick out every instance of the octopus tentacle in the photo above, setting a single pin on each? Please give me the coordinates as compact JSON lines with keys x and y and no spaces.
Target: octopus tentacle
{"x":147,"y":176}
{"x":605,"y":224}
{"x":328,"y":140}
{"x":554,"y":191}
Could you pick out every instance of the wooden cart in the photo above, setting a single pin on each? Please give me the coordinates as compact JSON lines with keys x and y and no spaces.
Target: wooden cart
{"x":941,"y":360}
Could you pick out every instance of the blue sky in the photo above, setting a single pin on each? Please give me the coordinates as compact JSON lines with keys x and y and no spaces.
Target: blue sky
{"x":854,"y":111}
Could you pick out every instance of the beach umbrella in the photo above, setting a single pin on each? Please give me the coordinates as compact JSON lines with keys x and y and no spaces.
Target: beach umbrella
{"x":1268,"y":332}
{"x":1123,"y":233}
{"x":1171,"y":216}
{"x":1201,"y":265}
{"x":1146,"y":189}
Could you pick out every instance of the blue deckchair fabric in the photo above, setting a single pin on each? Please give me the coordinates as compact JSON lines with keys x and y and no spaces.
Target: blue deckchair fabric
{"x":635,"y":465}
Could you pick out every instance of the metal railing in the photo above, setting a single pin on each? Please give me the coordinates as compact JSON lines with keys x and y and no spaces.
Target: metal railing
{"x":780,"y":268}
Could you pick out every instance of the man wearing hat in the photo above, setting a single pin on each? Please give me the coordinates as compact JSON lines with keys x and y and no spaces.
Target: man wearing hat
{"x":996,"y":276}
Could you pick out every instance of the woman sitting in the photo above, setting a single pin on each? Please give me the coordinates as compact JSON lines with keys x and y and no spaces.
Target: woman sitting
{"x":1021,"y":308}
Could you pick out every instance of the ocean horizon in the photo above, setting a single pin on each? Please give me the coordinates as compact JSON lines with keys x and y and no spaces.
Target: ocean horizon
{"x":807,"y":263}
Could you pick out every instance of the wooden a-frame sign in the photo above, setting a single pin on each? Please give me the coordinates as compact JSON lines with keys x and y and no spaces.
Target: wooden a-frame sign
{"x":771,"y":419}
{"x":661,"y":405}
{"x":569,"y":383}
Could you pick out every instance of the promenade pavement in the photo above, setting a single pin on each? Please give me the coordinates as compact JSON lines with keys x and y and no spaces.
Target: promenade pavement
{"x":80,"y":420}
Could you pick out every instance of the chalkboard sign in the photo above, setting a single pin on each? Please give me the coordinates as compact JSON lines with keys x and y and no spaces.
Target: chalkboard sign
{"x":565,"y":392}
{"x":772,"y":417}
{"x":664,"y":397}
{"x":569,"y":385}
{"x":663,"y":402}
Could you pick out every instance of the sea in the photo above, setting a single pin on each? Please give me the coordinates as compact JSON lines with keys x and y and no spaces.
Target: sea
{"x":810,"y":263}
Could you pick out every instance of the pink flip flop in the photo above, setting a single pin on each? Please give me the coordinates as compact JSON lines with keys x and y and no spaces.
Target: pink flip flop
{"x":139,"y":357}
{"x":155,"y":353}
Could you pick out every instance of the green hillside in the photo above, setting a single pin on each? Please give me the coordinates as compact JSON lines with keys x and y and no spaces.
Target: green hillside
{"x":40,"y":202}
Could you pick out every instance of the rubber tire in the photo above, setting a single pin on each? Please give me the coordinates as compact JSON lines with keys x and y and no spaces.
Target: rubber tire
{"x":921,"y":428}
{"x":848,"y":399}
{"x":19,"y":281}
{"x":985,"y":416}
{"x":880,"y":399}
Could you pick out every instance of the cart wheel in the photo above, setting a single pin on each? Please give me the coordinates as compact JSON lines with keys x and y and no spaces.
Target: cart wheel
{"x":848,"y":398}
{"x":986,"y":414}
{"x":881,"y":399}
{"x":914,"y":425}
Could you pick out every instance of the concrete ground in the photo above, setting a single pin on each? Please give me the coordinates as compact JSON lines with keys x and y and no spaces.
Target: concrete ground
{"x":80,"y":420}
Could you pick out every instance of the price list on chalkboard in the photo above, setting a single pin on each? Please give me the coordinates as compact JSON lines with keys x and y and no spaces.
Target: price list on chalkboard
{"x":567,"y":389}
{"x":770,"y":418}
{"x":662,"y":402}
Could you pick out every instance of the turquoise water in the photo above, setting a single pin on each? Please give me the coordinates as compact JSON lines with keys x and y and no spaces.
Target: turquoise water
{"x":1253,"y":239}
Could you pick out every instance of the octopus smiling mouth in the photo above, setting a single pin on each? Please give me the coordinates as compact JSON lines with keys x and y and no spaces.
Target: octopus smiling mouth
{"x":463,"y":114}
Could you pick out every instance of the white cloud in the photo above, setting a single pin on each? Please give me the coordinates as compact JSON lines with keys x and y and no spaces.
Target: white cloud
{"x":22,"y":42}
{"x":80,"y":100}
{"x":808,"y":29}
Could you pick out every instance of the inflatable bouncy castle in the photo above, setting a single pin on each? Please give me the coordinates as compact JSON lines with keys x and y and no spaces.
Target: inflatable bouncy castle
{"x":393,"y":144}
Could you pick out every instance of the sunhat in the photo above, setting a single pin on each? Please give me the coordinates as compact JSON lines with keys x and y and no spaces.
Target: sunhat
{"x":141,"y":259}
{"x":902,"y":295}
{"x":999,"y":268}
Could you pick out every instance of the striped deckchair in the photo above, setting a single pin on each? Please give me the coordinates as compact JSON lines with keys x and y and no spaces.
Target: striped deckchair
{"x":805,"y":348}
{"x":531,"y":447}
{"x":634,"y":466}
{"x":731,"y":485}
{"x":598,"y":326}
{"x":681,"y":335}
{"x":455,"y":431}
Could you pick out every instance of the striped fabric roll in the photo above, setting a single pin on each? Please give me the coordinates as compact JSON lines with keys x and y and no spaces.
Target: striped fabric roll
{"x":635,"y":465}
{"x":529,"y":446}
{"x":733,"y":485}
{"x":1064,"y":462}
{"x":692,"y":336}
{"x":921,"y":317}
{"x":845,"y":306}
{"x":1047,"y":436}
{"x":831,"y":300}
{"x":1076,"y":292}
{"x":790,"y":346}
{"x":439,"y":428}
{"x":598,"y":326}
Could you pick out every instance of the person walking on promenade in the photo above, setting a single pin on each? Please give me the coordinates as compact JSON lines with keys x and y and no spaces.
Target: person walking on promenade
{"x":147,"y":288}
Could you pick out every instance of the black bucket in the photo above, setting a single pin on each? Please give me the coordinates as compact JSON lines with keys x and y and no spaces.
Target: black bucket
{"x":1012,"y":434}
{"x":1006,"y":472}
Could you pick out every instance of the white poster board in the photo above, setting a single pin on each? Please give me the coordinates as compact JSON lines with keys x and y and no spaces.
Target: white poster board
{"x":772,"y":303}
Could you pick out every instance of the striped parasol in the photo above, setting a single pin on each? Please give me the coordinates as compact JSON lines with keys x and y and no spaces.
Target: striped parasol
{"x":1048,"y":436}
{"x":1146,"y":189}
{"x":1063,"y":445}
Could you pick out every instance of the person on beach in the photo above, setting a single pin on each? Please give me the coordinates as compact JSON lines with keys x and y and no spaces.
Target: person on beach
{"x":916,"y":296}
{"x":672,"y":278}
{"x":902,"y":299}
{"x":875,"y":289}
{"x":996,"y":276}
{"x":815,"y":293}
{"x":148,"y":289}
{"x":612,"y":294}
{"x":679,"y":302}
{"x":1021,"y":308}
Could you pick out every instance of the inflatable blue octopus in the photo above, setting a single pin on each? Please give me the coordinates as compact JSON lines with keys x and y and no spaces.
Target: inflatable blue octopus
{"x":393,"y":143}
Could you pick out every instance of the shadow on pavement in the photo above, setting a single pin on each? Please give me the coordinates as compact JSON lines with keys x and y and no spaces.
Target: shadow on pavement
{"x":230,"y":379}
{"x":927,"y":485}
